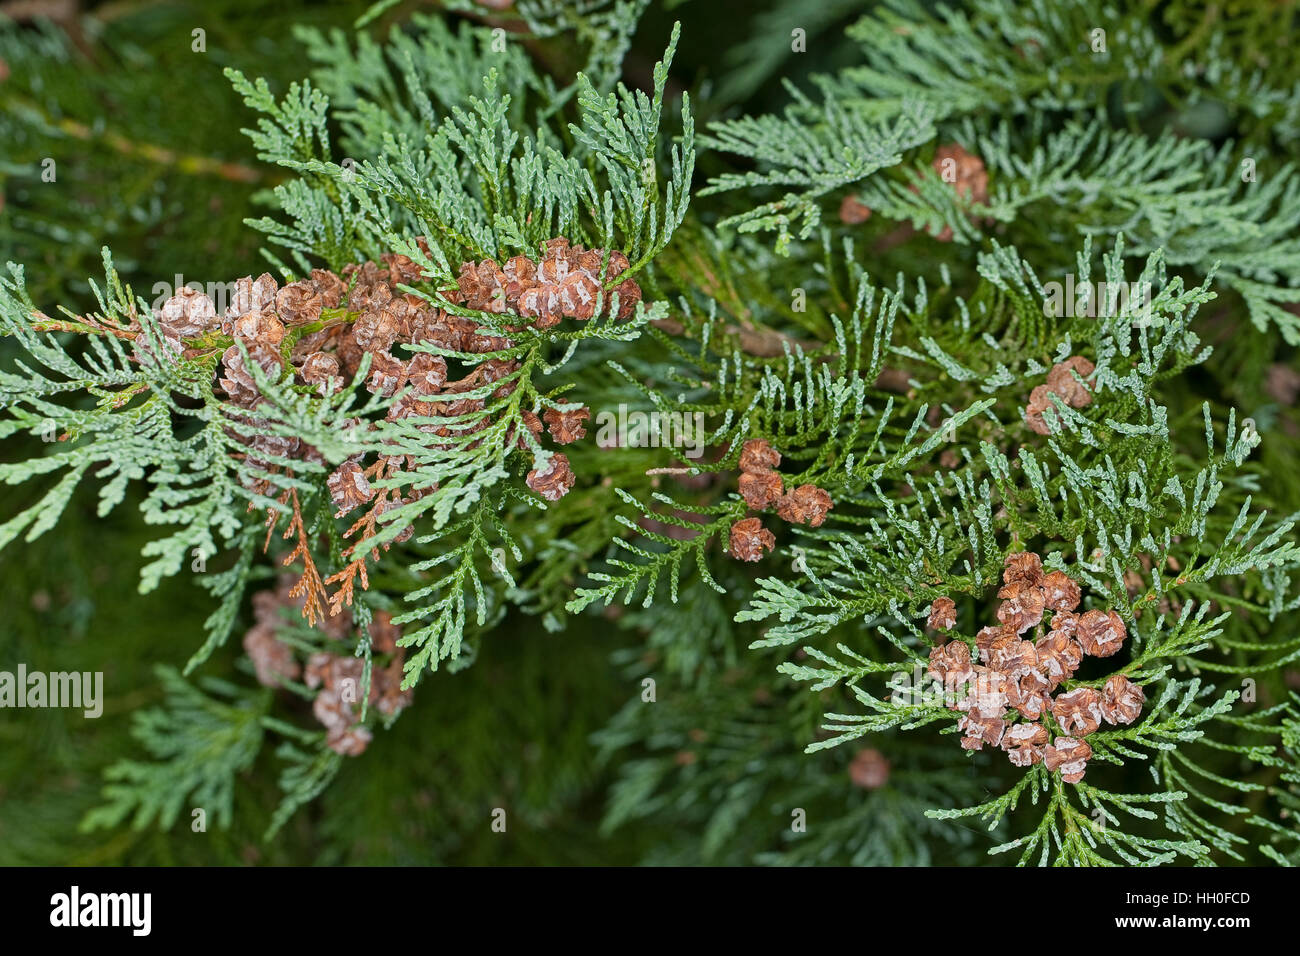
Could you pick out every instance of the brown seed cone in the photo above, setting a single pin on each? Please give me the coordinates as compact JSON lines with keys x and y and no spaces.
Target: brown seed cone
{"x":556,"y":260}
{"x":760,"y":489}
{"x":299,"y":303}
{"x":268,"y":445}
{"x":971,"y":177}
{"x":1066,"y":622}
{"x":348,"y":488}
{"x":480,"y":342}
{"x":481,"y":287}
{"x":542,"y":304}
{"x":1058,"y":657}
{"x":317,"y":669}
{"x":869,"y":769}
{"x":757,"y":455}
{"x":272,"y":658}
{"x":554,"y":481}
{"x":566,"y":427}
{"x":1121,"y":700}
{"x":237,"y":381}
{"x":980,"y":730}
{"x":319,"y":368}
{"x":986,"y":693}
{"x":566,"y":283}
{"x":1101,"y":633}
{"x":426,"y":372}
{"x":985,"y":638}
{"x":378,"y":330}
{"x":250,"y":295}
{"x":991,"y":641}
{"x":943,"y":614}
{"x":950,"y":660}
{"x":1063,"y":383}
{"x":577,"y":295}
{"x":1029,"y":694}
{"x":532,"y":423}
{"x":1022,"y":567}
{"x":1024,"y":743}
{"x":1078,"y":712}
{"x":169,"y":354}
{"x":187,"y":314}
{"x":401,"y":269}
{"x":806,"y":504}
{"x":370,"y":297}
{"x":1022,"y":609}
{"x":853,"y":211}
{"x":950,"y":663}
{"x":387,"y":374}
{"x":1068,"y":755}
{"x":332,"y":711}
{"x":448,"y":331}
{"x":494,"y":370}
{"x":748,"y":539}
{"x":629,"y":294}
{"x":258,"y":326}
{"x":332,"y":670}
{"x":1060,"y":591}
{"x":325,"y":340}
{"x":330,"y":286}
{"x":1011,"y":656}
{"x":521,"y":274}
{"x":1039,"y":402}
{"x":351,"y":742}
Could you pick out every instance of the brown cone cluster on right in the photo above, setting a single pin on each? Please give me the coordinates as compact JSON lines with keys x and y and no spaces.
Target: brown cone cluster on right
{"x":1006,"y":698}
{"x":762,"y":487}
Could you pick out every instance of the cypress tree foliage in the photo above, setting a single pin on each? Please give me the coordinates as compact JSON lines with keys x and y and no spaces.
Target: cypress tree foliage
{"x":903,"y":453}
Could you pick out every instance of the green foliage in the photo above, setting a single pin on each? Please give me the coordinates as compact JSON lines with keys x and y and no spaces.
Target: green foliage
{"x":891,"y":368}
{"x":200,"y":742}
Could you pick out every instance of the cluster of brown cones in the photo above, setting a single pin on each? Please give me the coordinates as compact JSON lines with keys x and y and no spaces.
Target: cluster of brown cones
{"x":565,"y":283}
{"x":287,"y":327}
{"x":762,"y":487}
{"x":1016,"y":677}
{"x":321,"y":329}
{"x":1061,"y":381}
{"x":339,"y":677}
